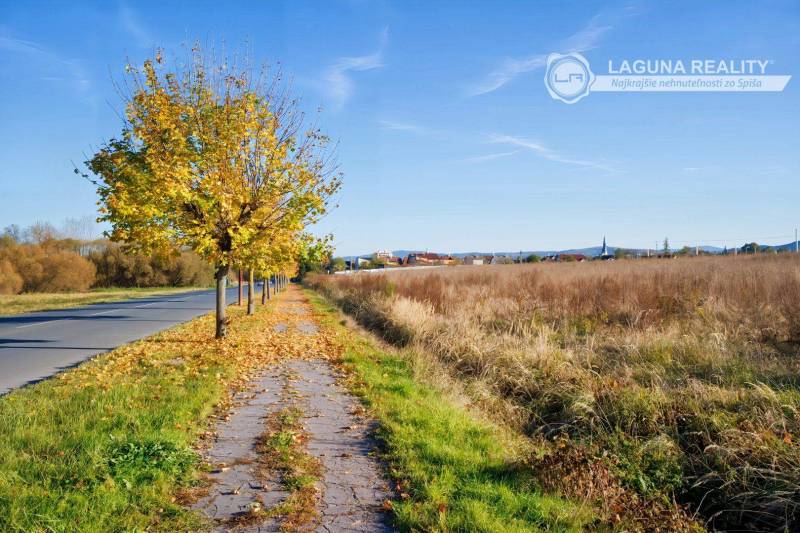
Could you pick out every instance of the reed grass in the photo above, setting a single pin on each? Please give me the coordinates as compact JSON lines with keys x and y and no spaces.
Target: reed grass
{"x":679,"y":379}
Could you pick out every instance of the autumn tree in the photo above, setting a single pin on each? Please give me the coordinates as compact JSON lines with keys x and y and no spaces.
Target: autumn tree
{"x":272,"y":256}
{"x":213,"y":156}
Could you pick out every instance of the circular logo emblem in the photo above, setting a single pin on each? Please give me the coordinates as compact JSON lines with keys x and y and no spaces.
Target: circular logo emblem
{"x":568,"y":77}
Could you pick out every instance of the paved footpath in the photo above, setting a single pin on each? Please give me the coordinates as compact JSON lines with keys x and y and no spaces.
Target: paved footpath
{"x":351,"y":490}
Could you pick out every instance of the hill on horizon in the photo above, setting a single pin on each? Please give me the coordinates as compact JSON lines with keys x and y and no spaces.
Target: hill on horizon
{"x":588,"y":251}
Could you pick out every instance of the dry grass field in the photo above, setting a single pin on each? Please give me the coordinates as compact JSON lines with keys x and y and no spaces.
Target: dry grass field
{"x":661,"y":391}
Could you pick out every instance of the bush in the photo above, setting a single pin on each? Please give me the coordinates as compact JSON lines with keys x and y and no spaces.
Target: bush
{"x":117,"y":267}
{"x":64,"y":272}
{"x":45,"y":263}
{"x":10,"y":280}
{"x":48,"y":269}
{"x":27,"y":261}
{"x":192,"y":271}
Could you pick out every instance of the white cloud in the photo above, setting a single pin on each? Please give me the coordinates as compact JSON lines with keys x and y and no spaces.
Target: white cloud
{"x":547,"y":153}
{"x":489,"y":157}
{"x":13,"y":44}
{"x":129,"y":20}
{"x":338,"y":81}
{"x":400,"y":126}
{"x":54,"y":67}
{"x":587,"y":38}
{"x":510,"y":68}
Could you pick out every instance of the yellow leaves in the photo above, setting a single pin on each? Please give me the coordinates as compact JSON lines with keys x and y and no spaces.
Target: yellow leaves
{"x":210,"y":162}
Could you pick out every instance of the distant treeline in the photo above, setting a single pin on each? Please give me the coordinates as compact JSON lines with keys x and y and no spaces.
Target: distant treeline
{"x":42,"y":259}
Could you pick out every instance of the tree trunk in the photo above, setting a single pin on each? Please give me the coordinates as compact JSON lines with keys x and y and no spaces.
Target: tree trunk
{"x":251,"y":293}
{"x":221,"y":275}
{"x":240,"y":287}
{"x":265,"y":291}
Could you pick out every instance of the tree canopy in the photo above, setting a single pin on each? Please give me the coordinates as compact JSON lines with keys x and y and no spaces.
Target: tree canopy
{"x":213,"y":157}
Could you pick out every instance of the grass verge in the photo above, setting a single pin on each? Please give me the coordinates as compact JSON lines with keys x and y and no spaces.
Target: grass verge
{"x":283,"y":452}
{"x":108,"y":445}
{"x":31,"y":302}
{"x":453,"y":471}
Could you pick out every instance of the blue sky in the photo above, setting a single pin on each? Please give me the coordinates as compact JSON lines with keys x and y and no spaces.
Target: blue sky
{"x":449,"y":140}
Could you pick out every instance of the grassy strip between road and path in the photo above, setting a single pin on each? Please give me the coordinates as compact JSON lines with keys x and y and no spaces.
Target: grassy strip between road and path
{"x":452,"y":471}
{"x":49,"y":301}
{"x":284,"y":455}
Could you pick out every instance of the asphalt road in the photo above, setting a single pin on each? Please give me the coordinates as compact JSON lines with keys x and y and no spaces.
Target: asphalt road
{"x":36,"y":346}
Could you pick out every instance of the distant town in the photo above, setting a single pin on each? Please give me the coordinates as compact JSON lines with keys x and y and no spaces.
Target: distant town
{"x":383,"y":259}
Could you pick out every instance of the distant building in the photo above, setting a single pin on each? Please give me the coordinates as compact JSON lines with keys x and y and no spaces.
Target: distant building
{"x":429,"y":258}
{"x":384,"y":258}
{"x":570,"y":258}
{"x":604,"y":253}
{"x":566,"y":258}
{"x":473,"y":260}
{"x":421,"y":258}
{"x":501,"y":260}
{"x":355,"y":263}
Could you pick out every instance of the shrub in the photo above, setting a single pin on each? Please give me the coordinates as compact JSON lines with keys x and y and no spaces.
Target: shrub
{"x":27,"y":261}
{"x":65,"y":271}
{"x":10,"y":280}
{"x":56,"y":265}
{"x":118,"y":267}
{"x":45,"y":268}
{"x":191,"y":271}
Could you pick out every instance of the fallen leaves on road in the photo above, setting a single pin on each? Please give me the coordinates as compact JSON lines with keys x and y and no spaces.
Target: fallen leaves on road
{"x":190,"y":350}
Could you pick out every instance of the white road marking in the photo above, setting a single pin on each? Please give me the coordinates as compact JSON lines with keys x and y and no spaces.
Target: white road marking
{"x":100,"y":313}
{"x":40,"y":323}
{"x":162,"y":302}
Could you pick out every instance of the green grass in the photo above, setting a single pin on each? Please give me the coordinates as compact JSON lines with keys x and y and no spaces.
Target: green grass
{"x":107,"y":446}
{"x":284,"y":455}
{"x":455,"y":471}
{"x":30,"y":302}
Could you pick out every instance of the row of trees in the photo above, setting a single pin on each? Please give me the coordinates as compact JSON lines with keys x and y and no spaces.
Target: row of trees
{"x":215,"y":157}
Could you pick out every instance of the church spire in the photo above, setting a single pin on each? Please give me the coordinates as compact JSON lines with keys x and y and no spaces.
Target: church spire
{"x":604,"y":252}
